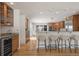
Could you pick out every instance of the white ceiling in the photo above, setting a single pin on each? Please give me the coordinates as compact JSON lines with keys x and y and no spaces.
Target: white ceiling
{"x":47,"y":11}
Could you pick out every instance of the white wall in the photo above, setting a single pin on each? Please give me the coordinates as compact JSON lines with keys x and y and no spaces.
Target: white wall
{"x":22,"y":29}
{"x":16,"y":20}
{"x":31,"y":28}
{"x":6,"y":29}
{"x":16,"y":23}
{"x":19,"y":26}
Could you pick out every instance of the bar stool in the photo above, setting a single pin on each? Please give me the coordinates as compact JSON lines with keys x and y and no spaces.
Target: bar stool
{"x":53,"y":40}
{"x":73,"y":42}
{"x":59,"y":44}
{"x":41,"y":41}
{"x":77,"y":41}
{"x":63,"y":40}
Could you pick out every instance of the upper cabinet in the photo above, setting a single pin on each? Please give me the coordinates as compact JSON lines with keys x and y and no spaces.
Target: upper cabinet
{"x":72,"y":23}
{"x":6,"y":15}
{"x":75,"y":22}
{"x":56,"y":26}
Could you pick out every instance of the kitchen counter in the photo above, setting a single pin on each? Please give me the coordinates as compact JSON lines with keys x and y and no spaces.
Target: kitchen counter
{"x":6,"y":36}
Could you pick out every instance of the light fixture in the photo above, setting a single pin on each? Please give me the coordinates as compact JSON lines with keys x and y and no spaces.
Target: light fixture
{"x":67,"y":9}
{"x":41,"y":12}
{"x":74,"y":11}
{"x":52,"y":18}
{"x":57,"y":12}
{"x":11,"y":3}
{"x":66,"y":18}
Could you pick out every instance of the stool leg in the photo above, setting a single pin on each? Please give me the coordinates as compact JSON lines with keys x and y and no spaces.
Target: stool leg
{"x":61,"y":45}
{"x":65,"y":45}
{"x":58,"y":47}
{"x":50,"y":45}
{"x":76,"y":44}
{"x":38,"y":46}
{"x":70,"y":46}
{"x":55,"y":45}
{"x":45,"y":45}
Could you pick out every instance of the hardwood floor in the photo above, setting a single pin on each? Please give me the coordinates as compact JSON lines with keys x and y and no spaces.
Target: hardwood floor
{"x":29,"y":49}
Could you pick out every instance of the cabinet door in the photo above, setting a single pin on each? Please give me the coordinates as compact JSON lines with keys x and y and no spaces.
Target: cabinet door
{"x":62,"y":24}
{"x":9,"y":16}
{"x":6,"y":15}
{"x":15,"y":43}
{"x":76,"y":22}
{"x":1,"y":13}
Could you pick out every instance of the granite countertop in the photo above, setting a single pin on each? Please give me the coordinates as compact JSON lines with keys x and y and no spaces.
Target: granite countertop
{"x":5,"y":36}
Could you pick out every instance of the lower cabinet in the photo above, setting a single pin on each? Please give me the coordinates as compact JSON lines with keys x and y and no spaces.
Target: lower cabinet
{"x":15,"y":43}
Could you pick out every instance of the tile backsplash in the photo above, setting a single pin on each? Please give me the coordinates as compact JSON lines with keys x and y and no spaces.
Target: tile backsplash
{"x":6,"y":29}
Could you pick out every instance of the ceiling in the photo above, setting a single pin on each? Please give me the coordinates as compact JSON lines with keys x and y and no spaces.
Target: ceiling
{"x":47,"y":11}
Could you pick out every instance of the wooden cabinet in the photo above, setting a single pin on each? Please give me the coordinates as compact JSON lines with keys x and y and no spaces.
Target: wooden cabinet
{"x":62,"y":24}
{"x":50,"y":25}
{"x":57,"y":26}
{"x":75,"y":22}
{"x":6,"y":15}
{"x":15,"y":42}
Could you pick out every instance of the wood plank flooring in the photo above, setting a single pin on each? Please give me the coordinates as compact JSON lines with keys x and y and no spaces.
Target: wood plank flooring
{"x":29,"y":49}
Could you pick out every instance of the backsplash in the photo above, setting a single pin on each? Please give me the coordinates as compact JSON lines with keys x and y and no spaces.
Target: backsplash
{"x":6,"y":30}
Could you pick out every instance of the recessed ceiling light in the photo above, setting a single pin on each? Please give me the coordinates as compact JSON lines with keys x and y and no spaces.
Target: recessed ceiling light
{"x":74,"y":11}
{"x":65,"y":17}
{"x":67,"y":9}
{"x":41,"y":12}
{"x":57,"y":12}
{"x":11,"y":3}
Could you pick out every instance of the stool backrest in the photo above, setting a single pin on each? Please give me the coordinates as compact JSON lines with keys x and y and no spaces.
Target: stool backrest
{"x":41,"y":36}
{"x":64,"y":35}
